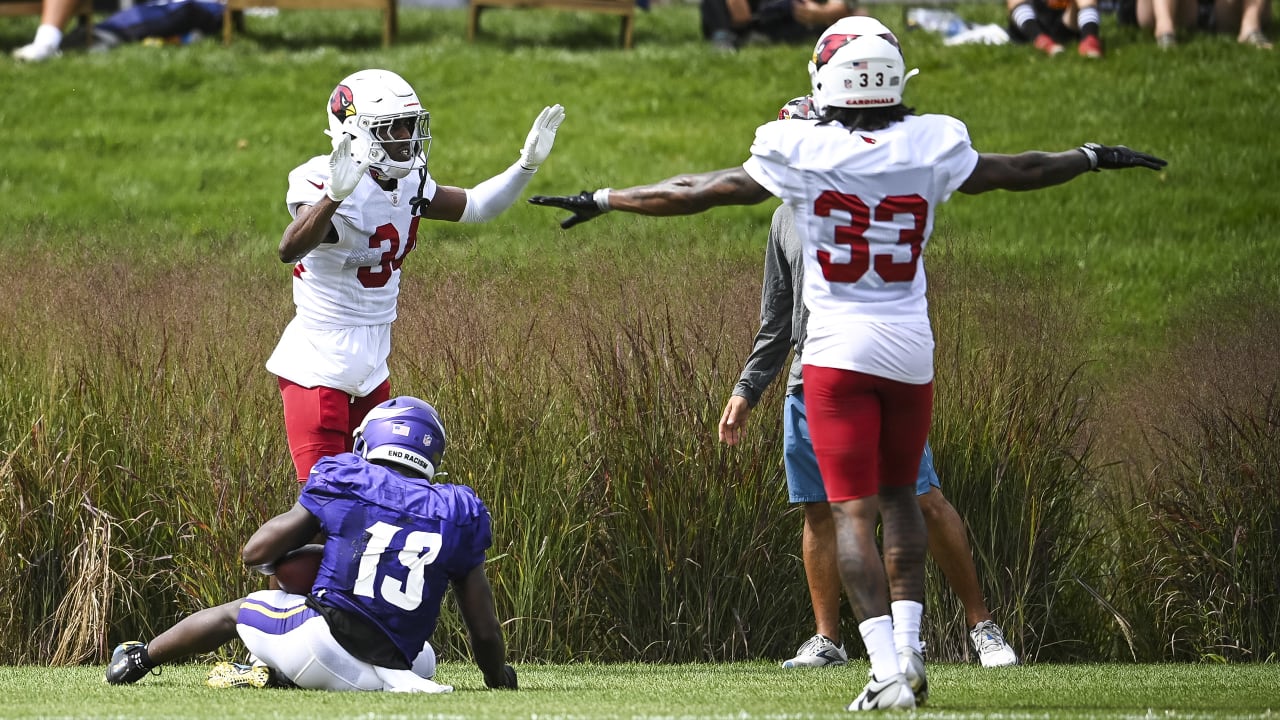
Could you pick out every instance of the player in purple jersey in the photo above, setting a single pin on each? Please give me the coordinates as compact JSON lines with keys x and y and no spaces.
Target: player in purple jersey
{"x":394,"y":541}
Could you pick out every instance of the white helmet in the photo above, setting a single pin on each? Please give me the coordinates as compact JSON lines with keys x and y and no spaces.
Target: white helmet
{"x":858,"y":63}
{"x":371,"y":103}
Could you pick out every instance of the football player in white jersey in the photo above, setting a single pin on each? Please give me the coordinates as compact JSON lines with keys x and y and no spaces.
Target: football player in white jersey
{"x":864,"y":181}
{"x":356,"y":214}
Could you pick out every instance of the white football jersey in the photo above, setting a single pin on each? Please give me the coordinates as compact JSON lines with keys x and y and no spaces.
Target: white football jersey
{"x":864,"y":205}
{"x":345,"y":292}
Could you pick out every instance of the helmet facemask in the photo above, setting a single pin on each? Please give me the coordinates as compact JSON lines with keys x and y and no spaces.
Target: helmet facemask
{"x":397,"y":141}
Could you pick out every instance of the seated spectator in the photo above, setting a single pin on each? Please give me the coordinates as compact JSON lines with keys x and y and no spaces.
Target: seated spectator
{"x":1049,"y":24}
{"x":730,"y":23}
{"x":171,"y":21}
{"x":54,"y":16}
{"x":1244,"y":17}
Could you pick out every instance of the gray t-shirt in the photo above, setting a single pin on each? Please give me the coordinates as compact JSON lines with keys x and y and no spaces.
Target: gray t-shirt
{"x":782,"y":312}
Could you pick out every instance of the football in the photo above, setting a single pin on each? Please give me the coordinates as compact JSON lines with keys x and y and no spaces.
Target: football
{"x":296,"y":571}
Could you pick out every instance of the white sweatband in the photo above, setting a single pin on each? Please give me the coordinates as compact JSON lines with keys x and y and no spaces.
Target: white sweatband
{"x":490,"y":198}
{"x":601,"y":197}
{"x":1091,"y":155}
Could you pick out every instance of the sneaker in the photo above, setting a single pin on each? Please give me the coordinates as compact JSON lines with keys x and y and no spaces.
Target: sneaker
{"x":912,"y":664}
{"x":126,"y":667}
{"x":233,"y":675}
{"x":1046,"y":45}
{"x":1166,"y":41}
{"x":1090,"y":47}
{"x":818,"y":651}
{"x":988,"y":640}
{"x":894,"y":693}
{"x":724,"y":41}
{"x":36,"y":53}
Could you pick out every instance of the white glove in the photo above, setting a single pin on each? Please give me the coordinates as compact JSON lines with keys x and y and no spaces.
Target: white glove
{"x":541,"y":137}
{"x":347,"y":165}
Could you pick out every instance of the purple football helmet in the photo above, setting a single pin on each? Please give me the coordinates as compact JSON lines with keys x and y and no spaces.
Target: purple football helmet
{"x":404,"y":431}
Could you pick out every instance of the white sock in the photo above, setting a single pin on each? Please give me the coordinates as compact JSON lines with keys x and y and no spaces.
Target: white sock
{"x":48,"y":36}
{"x":877,"y":635}
{"x":906,"y":623}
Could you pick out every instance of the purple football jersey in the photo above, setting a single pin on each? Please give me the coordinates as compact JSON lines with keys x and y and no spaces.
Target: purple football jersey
{"x":393,"y":544}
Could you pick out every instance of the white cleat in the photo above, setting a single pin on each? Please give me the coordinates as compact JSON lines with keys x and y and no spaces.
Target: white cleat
{"x":912,"y":664}
{"x":818,"y":651}
{"x":892,"y":694}
{"x":988,"y":641}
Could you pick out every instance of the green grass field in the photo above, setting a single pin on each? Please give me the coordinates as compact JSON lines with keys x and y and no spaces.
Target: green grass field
{"x":142,"y":192}
{"x":729,"y":691}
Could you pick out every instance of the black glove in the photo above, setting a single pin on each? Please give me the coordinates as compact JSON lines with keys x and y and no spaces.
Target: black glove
{"x":508,"y":681}
{"x":583,"y":206}
{"x":1106,"y":157}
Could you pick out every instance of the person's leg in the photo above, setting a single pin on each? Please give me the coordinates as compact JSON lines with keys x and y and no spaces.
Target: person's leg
{"x":200,"y":632}
{"x":818,"y":546}
{"x":1089,"y":23}
{"x":1025,"y":26}
{"x":949,"y":546}
{"x":844,"y":410}
{"x":907,"y":412}
{"x":317,"y":422}
{"x":1253,"y":15}
{"x":54,"y":16}
{"x":817,"y":542}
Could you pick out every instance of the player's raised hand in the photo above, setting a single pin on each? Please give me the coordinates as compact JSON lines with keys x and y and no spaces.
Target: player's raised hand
{"x":1116,"y":157}
{"x":584,"y":206}
{"x":537,"y":146}
{"x":348,"y":163}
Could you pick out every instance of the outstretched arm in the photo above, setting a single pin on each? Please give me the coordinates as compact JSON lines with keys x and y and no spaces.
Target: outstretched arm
{"x":492,"y":197}
{"x":1033,"y":170}
{"x":680,"y":195}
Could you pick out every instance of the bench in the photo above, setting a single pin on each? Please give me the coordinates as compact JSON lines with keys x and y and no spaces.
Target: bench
{"x":235,"y":8}
{"x":626,"y":9}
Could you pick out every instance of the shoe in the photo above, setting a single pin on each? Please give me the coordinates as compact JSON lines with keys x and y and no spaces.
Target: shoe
{"x":233,"y":675}
{"x":1166,"y":41}
{"x":1046,"y":45}
{"x":724,"y":41}
{"x":1258,"y":40}
{"x":912,"y":664}
{"x":993,"y":651}
{"x":1090,"y":47}
{"x":36,"y":53}
{"x":126,"y":666}
{"x":818,"y":651}
{"x":892,"y":694}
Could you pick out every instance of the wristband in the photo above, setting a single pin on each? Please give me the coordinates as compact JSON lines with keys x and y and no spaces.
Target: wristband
{"x":1089,"y":155}
{"x":601,"y":197}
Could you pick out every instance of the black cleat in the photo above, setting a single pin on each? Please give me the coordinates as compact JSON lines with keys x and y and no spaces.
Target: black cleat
{"x":126,"y":666}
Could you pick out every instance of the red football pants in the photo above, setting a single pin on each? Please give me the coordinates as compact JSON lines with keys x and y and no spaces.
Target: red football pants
{"x":319,"y":420}
{"x":867,"y":431}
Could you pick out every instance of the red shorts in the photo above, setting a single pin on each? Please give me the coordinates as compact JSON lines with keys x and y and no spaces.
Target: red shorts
{"x":867,"y":431}
{"x":319,"y":420}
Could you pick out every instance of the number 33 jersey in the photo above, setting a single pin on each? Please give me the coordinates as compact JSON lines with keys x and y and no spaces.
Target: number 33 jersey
{"x":393,"y":544}
{"x":345,"y":293}
{"x":864,"y":204}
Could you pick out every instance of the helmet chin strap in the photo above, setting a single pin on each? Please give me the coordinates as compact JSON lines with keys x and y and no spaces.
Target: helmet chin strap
{"x":418,"y":202}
